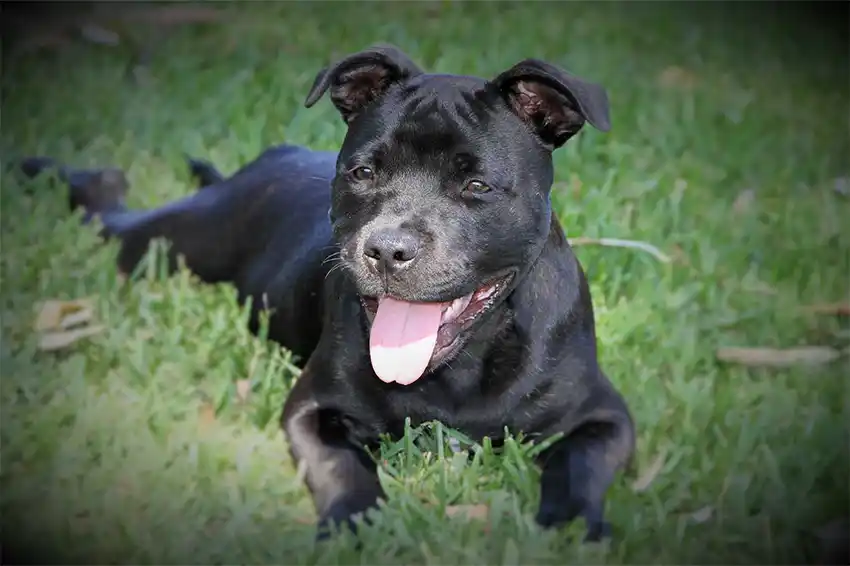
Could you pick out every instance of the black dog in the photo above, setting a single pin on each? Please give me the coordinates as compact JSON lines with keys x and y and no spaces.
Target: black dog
{"x":419,"y":271}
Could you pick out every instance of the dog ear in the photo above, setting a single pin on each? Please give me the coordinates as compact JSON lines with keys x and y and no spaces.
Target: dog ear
{"x":553,"y":102}
{"x":359,"y":79}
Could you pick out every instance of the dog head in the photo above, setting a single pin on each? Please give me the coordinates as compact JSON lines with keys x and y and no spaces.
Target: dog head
{"x":440,"y":202}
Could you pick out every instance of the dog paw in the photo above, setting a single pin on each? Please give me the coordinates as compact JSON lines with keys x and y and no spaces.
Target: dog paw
{"x":343,"y":514}
{"x":553,"y":516}
{"x":94,"y":190}
{"x":549,"y":518}
{"x":597,"y":531}
{"x":98,"y":190}
{"x":328,"y":527}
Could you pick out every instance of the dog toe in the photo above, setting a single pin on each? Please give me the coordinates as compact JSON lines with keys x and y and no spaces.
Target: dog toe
{"x":597,"y":531}
{"x":552,"y":517}
{"x":342,"y":515}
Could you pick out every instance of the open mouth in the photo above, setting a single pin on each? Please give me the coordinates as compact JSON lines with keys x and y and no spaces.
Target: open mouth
{"x":407,"y":337}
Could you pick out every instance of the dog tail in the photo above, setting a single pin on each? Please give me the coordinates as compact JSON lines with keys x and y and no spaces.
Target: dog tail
{"x":204,"y":172}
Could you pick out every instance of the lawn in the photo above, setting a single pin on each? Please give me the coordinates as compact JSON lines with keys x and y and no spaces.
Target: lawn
{"x":728,"y":152}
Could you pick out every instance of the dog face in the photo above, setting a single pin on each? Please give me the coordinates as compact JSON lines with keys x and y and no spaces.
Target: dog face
{"x":442,"y":186}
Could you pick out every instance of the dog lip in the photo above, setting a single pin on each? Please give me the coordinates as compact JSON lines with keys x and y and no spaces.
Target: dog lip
{"x":491,"y":288}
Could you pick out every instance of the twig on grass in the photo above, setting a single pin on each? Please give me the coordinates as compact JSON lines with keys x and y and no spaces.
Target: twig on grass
{"x":837,"y":309}
{"x":618,"y":243}
{"x":774,"y":357}
{"x":650,"y":473}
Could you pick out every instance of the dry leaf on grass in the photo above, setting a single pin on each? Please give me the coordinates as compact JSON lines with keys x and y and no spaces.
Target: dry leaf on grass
{"x":243,"y":389}
{"x":479,"y":511}
{"x":648,"y":476}
{"x":51,"y":341}
{"x":841,"y":186}
{"x":99,"y":35}
{"x":61,"y":323}
{"x":702,"y":515}
{"x":744,"y":201}
{"x":677,"y":77}
{"x":774,"y":357}
{"x":82,"y":316}
{"x":837,"y":309}
{"x":206,"y":416}
{"x":53,"y":312}
{"x":49,"y":316}
{"x":678,"y":255}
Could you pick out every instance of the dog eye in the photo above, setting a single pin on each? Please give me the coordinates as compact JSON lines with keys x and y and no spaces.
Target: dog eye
{"x":477,"y":187}
{"x":363,"y":174}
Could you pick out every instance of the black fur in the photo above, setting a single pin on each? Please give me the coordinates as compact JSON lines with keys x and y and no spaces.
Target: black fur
{"x":529,"y":362}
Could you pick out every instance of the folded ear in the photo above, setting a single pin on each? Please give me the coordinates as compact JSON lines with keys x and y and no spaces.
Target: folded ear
{"x":359,"y":79}
{"x":553,"y":102}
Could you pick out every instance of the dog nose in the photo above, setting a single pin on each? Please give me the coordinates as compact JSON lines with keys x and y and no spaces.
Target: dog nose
{"x":391,"y":249}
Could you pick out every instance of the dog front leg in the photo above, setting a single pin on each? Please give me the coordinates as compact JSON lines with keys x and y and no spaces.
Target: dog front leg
{"x":578,"y":470}
{"x":340,"y":475}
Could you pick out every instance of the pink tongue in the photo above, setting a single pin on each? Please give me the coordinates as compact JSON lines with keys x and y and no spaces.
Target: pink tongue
{"x":403,"y":338}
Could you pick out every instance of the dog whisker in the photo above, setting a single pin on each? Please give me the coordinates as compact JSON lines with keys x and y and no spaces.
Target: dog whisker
{"x":338,"y":265}
{"x":336,"y":256}
{"x":319,"y":178}
{"x":429,"y":245}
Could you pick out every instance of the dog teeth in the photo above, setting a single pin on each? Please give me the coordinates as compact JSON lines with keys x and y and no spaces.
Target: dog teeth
{"x":456,"y":307}
{"x":486,"y":293}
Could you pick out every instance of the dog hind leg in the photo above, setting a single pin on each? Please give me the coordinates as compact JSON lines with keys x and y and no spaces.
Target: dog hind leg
{"x":201,"y":227}
{"x":95,"y":190}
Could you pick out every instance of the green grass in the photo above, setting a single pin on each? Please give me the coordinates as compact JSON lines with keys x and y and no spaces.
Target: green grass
{"x":104,"y":452}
